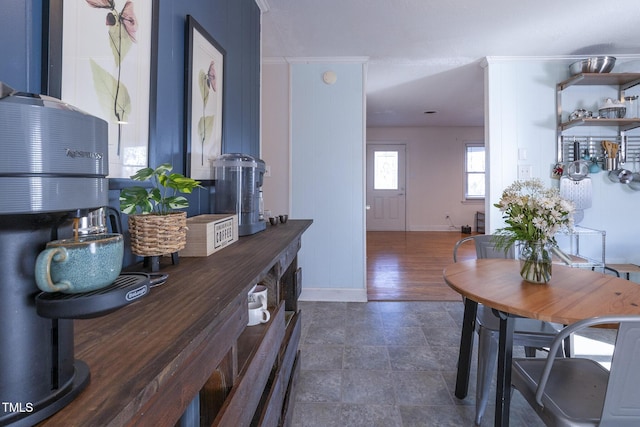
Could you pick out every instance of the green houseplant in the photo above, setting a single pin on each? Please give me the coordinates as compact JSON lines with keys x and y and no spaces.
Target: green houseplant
{"x":161,"y":198}
{"x":155,"y":225}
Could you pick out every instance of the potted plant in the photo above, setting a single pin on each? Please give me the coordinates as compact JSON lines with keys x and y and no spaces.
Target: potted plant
{"x":534,"y":214}
{"x":155,"y":225}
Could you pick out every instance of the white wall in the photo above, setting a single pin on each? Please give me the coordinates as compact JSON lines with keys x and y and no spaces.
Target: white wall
{"x":327,"y":177}
{"x":521,"y":115}
{"x":275,"y":136}
{"x":435,"y":174}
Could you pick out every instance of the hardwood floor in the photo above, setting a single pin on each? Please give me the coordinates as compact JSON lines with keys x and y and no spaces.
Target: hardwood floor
{"x":407,"y":266}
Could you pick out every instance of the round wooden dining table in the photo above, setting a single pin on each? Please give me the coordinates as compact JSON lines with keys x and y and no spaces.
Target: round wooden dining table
{"x":572,"y":294}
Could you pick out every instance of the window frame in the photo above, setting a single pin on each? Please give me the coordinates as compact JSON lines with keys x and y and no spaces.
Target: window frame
{"x":466,"y":171}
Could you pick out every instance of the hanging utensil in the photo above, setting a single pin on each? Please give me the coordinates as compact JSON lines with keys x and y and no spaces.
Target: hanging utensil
{"x":577,"y":191}
{"x":616,"y":174}
{"x":578,"y":169}
{"x":625,"y":175}
{"x":634,"y":184}
{"x":621,"y":175}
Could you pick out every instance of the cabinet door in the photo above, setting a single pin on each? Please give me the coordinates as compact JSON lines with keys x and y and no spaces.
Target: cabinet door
{"x":273,"y":408}
{"x":258,"y":349}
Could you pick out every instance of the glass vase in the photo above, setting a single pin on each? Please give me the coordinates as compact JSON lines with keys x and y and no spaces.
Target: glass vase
{"x":535,"y":261}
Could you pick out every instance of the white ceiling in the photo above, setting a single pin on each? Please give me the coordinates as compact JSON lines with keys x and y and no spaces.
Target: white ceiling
{"x":426,"y":54}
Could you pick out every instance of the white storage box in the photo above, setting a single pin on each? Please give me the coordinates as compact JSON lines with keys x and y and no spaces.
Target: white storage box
{"x":209,"y":233}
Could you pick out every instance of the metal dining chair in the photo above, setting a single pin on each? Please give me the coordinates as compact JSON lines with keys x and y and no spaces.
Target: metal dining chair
{"x":530,"y":333}
{"x":580,"y":392}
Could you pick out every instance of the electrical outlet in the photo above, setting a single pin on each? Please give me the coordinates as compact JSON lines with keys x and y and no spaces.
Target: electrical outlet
{"x":524,"y":172}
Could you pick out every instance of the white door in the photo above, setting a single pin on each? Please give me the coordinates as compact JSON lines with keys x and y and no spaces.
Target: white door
{"x":386,"y":187}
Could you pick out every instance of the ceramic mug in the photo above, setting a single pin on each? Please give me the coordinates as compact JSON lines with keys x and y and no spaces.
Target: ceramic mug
{"x":257,"y":314}
{"x":259,"y":294}
{"x":80,"y":265}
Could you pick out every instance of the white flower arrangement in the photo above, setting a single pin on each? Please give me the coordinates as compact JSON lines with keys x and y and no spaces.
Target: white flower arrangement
{"x":533,"y":213}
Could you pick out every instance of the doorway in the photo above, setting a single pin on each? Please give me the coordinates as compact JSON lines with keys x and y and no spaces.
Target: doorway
{"x":386,"y":187}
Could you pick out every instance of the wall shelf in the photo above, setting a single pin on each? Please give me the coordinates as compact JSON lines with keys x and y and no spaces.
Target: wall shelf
{"x":621,"y":124}
{"x":624,"y":80}
{"x":618,"y":128}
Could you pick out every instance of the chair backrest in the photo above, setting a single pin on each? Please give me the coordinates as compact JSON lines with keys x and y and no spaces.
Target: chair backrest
{"x":485,"y":248}
{"x":622,"y":401}
{"x":621,"y":404}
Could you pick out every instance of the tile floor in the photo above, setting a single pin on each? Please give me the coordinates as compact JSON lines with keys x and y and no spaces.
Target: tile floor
{"x":387,"y":364}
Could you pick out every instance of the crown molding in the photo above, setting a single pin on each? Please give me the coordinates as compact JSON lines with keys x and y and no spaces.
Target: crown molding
{"x":274,"y":60}
{"x":312,"y":59}
{"x":263,"y":5}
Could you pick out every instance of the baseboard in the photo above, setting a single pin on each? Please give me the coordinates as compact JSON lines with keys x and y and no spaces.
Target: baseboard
{"x":433,"y":228}
{"x":333,"y":295}
{"x":428,"y":228}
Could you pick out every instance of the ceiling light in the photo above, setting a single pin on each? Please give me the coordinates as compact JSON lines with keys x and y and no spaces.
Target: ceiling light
{"x":329,"y":77}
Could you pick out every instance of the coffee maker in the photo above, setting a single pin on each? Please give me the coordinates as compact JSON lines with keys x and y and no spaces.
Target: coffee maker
{"x":238,"y":183}
{"x":53,"y":168}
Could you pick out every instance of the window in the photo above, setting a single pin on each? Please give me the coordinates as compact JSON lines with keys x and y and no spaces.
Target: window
{"x":385,"y":167}
{"x":474,"y":171}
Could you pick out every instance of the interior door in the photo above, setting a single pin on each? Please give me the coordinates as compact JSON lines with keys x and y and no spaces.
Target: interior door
{"x":386,"y":183}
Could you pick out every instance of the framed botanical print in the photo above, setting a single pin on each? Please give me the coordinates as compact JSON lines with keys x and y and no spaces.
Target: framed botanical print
{"x":102,"y":58}
{"x":203,"y":100}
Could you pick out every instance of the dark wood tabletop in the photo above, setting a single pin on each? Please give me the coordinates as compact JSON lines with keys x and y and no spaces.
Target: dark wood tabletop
{"x":159,"y":351}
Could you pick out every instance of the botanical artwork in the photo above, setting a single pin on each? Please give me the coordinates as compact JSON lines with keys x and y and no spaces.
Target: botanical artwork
{"x":204,"y":137}
{"x":207,"y":84}
{"x":106,"y":72}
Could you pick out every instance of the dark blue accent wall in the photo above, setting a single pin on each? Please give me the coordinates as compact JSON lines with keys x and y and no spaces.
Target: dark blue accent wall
{"x":234,"y":24}
{"x":20,"y":44}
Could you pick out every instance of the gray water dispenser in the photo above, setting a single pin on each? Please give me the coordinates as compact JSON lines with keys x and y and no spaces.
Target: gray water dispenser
{"x":238,"y":180}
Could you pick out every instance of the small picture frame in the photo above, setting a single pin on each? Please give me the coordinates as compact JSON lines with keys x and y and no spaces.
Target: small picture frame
{"x":204,"y":104}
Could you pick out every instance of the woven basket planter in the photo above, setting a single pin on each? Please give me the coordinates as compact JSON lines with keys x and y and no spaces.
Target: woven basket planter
{"x":155,"y":235}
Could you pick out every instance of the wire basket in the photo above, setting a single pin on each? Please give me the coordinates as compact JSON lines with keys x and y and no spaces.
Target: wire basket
{"x":155,"y":235}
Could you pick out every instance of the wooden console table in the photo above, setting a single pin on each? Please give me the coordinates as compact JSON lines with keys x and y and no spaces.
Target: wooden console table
{"x":188,"y":341}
